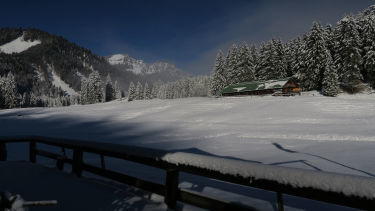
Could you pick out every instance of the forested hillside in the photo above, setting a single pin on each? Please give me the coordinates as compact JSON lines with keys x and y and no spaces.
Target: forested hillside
{"x":36,"y":68}
{"x":41,"y":69}
{"x":326,"y":59}
{"x":48,"y":70}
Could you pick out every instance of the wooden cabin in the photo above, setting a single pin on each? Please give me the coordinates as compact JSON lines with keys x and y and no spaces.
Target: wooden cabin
{"x":282,"y":87}
{"x":291,"y":87}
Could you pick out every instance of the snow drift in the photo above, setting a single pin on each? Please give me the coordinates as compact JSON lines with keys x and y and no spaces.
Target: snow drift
{"x":299,"y":178}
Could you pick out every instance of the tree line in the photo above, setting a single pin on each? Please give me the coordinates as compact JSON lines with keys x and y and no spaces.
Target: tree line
{"x":92,"y":91}
{"x":326,"y":59}
{"x":187,"y":87}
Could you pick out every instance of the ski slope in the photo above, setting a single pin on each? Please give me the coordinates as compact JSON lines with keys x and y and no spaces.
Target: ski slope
{"x":56,"y":81}
{"x":308,"y":132}
{"x":18,"y":45}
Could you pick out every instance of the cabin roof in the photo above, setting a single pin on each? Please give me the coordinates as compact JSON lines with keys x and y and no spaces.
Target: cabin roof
{"x":255,"y":85}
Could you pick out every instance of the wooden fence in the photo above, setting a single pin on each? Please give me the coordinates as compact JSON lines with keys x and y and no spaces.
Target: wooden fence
{"x":170,"y":190}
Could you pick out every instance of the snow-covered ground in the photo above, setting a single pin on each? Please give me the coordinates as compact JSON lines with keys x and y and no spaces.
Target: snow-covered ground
{"x":18,"y":45}
{"x":308,"y":132}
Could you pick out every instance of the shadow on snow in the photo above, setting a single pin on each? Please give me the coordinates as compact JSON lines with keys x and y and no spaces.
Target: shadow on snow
{"x":18,"y":123}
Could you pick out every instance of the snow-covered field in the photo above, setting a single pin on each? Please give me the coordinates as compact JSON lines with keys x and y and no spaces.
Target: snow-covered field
{"x":308,"y":131}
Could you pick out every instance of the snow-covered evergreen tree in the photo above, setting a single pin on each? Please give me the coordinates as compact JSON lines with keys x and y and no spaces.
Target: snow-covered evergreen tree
{"x":271,"y":61}
{"x":330,"y":84}
{"x":280,"y":59}
{"x":74,"y":100}
{"x":348,"y":58}
{"x":147,"y":92}
{"x":23,"y":100}
{"x":94,"y":88}
{"x":139,"y":91}
{"x":118,"y":94}
{"x":2,"y":99}
{"x":300,"y":65}
{"x":11,"y":91}
{"x":288,"y":49}
{"x":245,"y":68}
{"x":330,"y":42}
{"x":84,"y":92}
{"x":155,"y":88}
{"x":109,"y":90}
{"x":131,"y":92}
{"x":58,"y":101}
{"x":369,"y":64}
{"x":259,"y":71}
{"x":33,"y":100}
{"x":231,"y":69}
{"x":218,"y":76}
{"x":187,"y":87}
{"x":254,"y":58}
{"x":298,"y":61}
{"x":8,"y":92}
{"x":366,"y":24}
{"x":154,"y":92}
{"x":317,"y":58}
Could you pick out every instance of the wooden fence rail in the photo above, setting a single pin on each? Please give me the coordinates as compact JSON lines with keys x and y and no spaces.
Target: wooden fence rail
{"x":171,"y":192}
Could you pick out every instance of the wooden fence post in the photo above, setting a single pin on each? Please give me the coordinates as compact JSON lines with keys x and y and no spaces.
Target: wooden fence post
{"x":102,"y":161}
{"x":32,"y":152}
{"x":60,"y":163}
{"x":280,"y":203}
{"x":77,"y":162}
{"x":60,"y":160}
{"x":171,"y":188}
{"x":3,"y":151}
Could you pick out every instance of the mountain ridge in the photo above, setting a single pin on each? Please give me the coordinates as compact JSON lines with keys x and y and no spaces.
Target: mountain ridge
{"x":138,"y":66}
{"x":32,"y":55}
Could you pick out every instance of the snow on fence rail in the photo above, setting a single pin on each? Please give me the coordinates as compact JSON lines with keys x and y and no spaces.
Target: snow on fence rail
{"x":341,"y":189}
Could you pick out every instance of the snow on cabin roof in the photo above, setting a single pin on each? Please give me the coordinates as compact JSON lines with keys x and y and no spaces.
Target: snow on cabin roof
{"x":255,"y":85}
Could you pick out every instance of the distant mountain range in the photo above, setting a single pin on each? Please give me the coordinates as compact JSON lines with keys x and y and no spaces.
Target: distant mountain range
{"x":125,"y":62}
{"x":163,"y":71}
{"x":50,"y":65}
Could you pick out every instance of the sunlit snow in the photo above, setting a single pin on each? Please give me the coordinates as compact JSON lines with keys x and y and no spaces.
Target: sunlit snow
{"x":346,"y":184}
{"x":264,"y":129}
{"x":18,"y":45}
{"x":310,"y":131}
{"x":137,"y":66}
{"x":274,"y":84}
{"x":116,"y":59}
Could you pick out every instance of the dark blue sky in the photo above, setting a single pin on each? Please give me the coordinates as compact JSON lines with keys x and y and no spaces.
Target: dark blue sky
{"x":187,"y":33}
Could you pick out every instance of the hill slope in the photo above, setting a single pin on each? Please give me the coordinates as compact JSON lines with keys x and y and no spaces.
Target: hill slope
{"x":50,"y":65}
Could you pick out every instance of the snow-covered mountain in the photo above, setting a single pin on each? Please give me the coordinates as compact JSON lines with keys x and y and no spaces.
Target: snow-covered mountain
{"x":165,"y":71}
{"x":50,"y":65}
{"x":134,"y":65}
{"x":45,"y":64}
